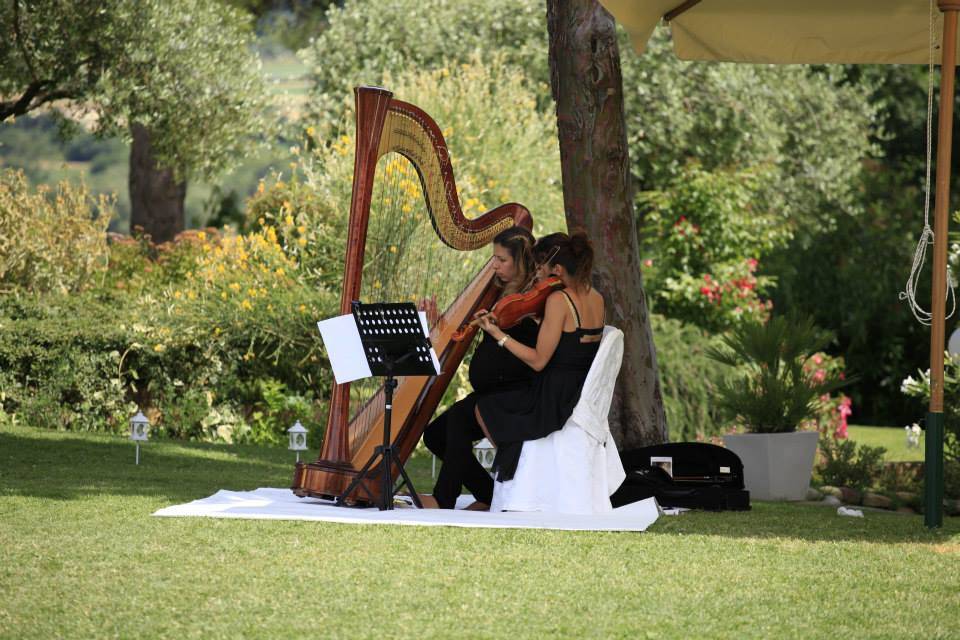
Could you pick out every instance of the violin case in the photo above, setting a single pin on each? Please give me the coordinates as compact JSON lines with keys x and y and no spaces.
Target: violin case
{"x":692,"y":475}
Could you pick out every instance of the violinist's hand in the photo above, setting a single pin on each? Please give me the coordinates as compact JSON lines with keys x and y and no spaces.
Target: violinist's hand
{"x":488,"y":323}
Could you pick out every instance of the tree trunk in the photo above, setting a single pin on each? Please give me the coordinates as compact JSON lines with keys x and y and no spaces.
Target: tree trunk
{"x":588,"y":91}
{"x":156,"y":198}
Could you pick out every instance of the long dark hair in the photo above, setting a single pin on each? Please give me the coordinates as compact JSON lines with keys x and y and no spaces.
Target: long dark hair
{"x":519,"y":242}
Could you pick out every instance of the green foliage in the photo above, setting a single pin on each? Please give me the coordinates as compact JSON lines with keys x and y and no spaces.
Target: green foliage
{"x":689,"y":379}
{"x":848,"y":278}
{"x":704,"y":236}
{"x":278,"y":410}
{"x":832,"y":410}
{"x":57,"y":48}
{"x":307,"y":214}
{"x":951,"y":478}
{"x":60,"y":363}
{"x":704,"y":218}
{"x":809,"y":127}
{"x":920,"y":388}
{"x":846,"y":464}
{"x":181,"y":68}
{"x":214,"y":337}
{"x":774,"y":394}
{"x":718,"y":299}
{"x":366,"y":40}
{"x":50,"y":240}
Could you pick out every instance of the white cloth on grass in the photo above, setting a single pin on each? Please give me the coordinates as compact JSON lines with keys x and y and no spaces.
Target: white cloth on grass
{"x":281,"y":504}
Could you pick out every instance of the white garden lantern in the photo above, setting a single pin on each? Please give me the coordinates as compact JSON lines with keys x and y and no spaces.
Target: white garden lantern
{"x":298,"y":438}
{"x":484,"y":452}
{"x":139,"y":430}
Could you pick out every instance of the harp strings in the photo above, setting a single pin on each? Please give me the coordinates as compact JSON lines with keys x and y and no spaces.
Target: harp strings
{"x":405,"y":258}
{"x":403,"y":262}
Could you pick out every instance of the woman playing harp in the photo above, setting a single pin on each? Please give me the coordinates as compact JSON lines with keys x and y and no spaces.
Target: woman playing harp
{"x":451,"y":435}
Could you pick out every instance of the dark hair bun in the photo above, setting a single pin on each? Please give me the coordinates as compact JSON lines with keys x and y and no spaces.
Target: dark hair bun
{"x":575,"y":254}
{"x":580,"y":244}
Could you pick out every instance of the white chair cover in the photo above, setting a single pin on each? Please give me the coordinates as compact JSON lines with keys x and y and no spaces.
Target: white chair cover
{"x":575,"y":469}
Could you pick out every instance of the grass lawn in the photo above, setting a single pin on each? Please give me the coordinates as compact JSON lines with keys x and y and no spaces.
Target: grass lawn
{"x":80,"y":557}
{"x":893,"y":439}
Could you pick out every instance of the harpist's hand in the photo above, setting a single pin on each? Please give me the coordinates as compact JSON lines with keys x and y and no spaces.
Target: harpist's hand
{"x":429,"y":306}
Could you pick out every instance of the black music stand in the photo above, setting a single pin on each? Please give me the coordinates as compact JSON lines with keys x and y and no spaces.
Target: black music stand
{"x":395,"y":345}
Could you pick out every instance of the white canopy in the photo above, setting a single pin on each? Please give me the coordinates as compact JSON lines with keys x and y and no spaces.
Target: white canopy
{"x":787,"y":31}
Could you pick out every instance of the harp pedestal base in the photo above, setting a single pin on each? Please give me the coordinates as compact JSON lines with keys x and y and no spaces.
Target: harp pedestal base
{"x":327,"y":479}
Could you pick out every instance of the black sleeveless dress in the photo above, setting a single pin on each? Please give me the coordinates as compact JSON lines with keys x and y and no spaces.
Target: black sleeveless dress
{"x":516,"y":415}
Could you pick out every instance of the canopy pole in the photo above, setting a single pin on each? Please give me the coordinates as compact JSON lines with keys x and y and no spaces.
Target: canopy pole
{"x":933,"y":454}
{"x":680,"y":8}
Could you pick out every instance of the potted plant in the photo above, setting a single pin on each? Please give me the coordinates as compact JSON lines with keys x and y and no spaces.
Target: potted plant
{"x":771,"y":397}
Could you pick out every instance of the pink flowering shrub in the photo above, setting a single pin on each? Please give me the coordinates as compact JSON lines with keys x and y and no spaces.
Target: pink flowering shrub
{"x":833,"y":410}
{"x":706,"y":235}
{"x":717,"y":300}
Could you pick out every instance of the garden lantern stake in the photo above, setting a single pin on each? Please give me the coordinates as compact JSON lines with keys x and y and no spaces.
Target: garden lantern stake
{"x":139,"y":430}
{"x":298,"y":438}
{"x":484,"y":452}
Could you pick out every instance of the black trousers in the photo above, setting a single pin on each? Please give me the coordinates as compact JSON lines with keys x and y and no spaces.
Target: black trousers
{"x":450,"y":437}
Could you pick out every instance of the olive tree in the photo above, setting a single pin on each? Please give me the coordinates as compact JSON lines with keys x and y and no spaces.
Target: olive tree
{"x":177,"y":77}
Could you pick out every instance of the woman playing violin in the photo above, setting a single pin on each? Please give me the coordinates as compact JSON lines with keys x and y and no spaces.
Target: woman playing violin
{"x":566,"y":344}
{"x":451,"y":435}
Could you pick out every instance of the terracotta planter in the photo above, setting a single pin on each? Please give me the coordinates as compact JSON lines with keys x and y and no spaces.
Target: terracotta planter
{"x":776,"y":466}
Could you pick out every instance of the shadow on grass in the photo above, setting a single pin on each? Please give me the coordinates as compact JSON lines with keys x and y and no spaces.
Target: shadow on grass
{"x":812,"y":523}
{"x":66,"y":466}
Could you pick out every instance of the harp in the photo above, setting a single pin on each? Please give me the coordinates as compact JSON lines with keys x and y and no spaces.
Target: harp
{"x":401,"y":153}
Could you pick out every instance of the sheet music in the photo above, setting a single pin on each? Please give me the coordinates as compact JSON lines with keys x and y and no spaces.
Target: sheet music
{"x":344,"y":349}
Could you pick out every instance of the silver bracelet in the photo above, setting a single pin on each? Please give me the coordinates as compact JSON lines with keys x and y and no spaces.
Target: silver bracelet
{"x":502,"y":341}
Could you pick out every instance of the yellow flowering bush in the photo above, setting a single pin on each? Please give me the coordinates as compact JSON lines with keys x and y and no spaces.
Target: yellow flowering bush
{"x":51,"y":239}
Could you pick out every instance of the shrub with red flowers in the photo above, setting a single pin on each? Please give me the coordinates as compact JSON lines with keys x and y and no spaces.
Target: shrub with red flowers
{"x":833,"y":409}
{"x":706,"y":235}
{"x":716,"y":300}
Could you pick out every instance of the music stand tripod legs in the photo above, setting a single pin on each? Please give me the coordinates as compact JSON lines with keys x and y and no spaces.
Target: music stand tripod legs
{"x":388,"y":457}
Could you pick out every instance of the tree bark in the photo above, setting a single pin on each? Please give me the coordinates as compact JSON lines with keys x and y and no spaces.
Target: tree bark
{"x":588,"y":90}
{"x":156,"y":197}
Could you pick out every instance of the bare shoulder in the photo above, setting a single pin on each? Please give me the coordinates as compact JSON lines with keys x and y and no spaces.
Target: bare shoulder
{"x":596,"y":303}
{"x":556,"y":300}
{"x":596,"y":298}
{"x":556,"y":306}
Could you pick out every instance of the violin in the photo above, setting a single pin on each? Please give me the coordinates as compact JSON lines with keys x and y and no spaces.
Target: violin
{"x":510,"y":310}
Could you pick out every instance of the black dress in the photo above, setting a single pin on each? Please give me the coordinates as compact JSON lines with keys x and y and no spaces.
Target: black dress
{"x":451,"y":435}
{"x":516,"y":415}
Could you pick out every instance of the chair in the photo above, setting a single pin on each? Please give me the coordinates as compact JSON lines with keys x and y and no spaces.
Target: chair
{"x":575,"y":469}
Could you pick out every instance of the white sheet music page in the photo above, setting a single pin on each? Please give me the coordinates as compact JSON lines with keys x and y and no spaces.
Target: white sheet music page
{"x":426,"y":332}
{"x":344,"y":349}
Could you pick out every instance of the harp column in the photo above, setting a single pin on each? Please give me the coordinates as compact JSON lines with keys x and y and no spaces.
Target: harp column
{"x":372,"y":104}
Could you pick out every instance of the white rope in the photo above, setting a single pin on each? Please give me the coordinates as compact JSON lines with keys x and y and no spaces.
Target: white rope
{"x":926,"y":237}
